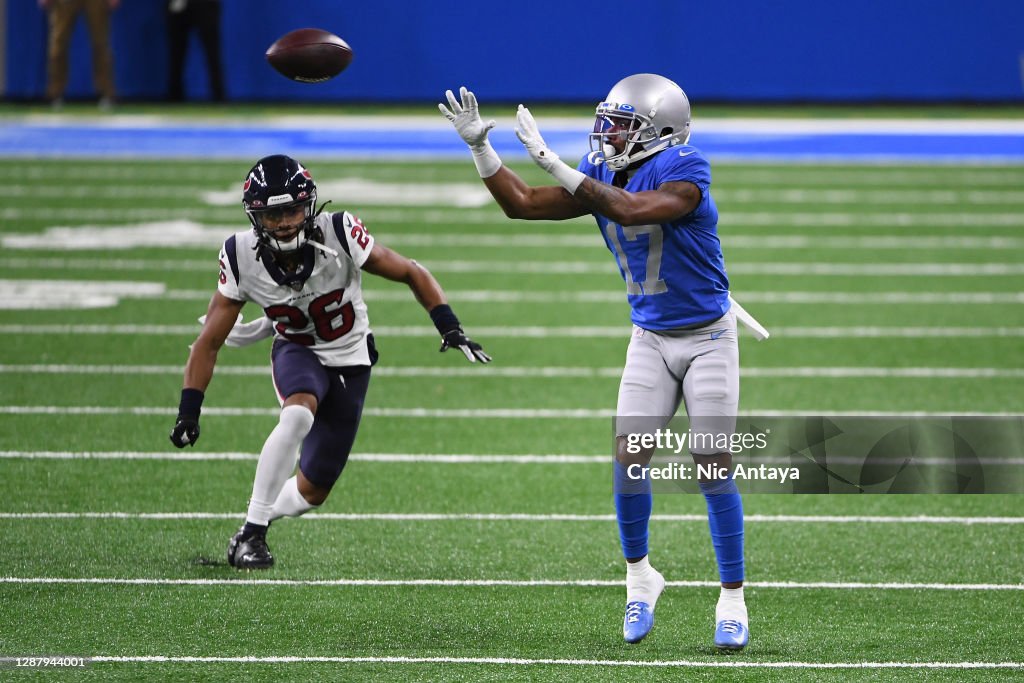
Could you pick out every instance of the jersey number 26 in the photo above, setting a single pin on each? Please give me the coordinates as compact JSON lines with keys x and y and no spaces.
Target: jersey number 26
{"x":322,"y":315}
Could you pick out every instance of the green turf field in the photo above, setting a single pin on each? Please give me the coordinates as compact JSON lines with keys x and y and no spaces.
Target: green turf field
{"x":888,"y":289}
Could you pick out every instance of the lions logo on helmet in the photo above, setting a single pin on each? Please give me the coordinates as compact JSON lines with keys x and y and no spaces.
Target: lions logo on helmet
{"x":642,"y":115}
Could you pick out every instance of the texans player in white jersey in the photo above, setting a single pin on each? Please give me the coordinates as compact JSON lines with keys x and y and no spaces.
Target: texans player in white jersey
{"x":649,"y":192}
{"x":303,"y":267}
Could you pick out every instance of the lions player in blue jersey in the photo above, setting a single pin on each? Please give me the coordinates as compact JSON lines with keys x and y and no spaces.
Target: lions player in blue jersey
{"x":650,"y":193}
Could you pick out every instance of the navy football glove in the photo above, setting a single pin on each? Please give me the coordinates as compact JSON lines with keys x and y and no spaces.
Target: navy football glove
{"x":186,"y":428}
{"x":457,"y":339}
{"x":186,"y":431}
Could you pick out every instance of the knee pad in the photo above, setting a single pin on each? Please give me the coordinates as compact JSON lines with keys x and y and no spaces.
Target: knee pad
{"x":296,"y":420}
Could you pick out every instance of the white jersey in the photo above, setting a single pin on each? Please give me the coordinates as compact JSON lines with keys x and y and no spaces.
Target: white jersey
{"x":327,"y":313}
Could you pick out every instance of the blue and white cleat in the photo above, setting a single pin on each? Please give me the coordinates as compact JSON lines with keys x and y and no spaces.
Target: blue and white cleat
{"x":638,"y":621}
{"x":639,"y":617}
{"x":731,"y":635}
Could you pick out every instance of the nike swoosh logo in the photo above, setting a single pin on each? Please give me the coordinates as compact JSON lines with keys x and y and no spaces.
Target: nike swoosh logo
{"x":716,"y":335}
{"x":686,"y":154}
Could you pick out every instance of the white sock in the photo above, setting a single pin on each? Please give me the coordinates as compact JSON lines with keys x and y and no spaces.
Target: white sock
{"x":277,"y":460}
{"x":643,"y":582}
{"x":731,"y":606}
{"x":290,"y":502}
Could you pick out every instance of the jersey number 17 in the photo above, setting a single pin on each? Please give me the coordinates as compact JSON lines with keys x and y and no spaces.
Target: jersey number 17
{"x":653,"y":284}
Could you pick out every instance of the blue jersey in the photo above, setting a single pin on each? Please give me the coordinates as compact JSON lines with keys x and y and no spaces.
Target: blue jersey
{"x":674,"y":272}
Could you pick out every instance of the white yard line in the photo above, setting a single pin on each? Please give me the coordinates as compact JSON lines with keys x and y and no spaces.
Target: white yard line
{"x":874,"y":243}
{"x":33,"y":294}
{"x":922,"y":373}
{"x":606,"y":296}
{"x":508,"y":661}
{"x":866,"y":197}
{"x":875,"y":298}
{"x":500,"y":296}
{"x":558,"y":268}
{"x":800,"y":269}
{"x":515,"y":583}
{"x":442,"y":458}
{"x":470,"y":413}
{"x":542,"y":372}
{"x":729,"y":220}
{"x":434,"y":458}
{"x":503,"y":296}
{"x":723,"y":195}
{"x":795,"y":175}
{"x":542,"y":332}
{"x":429,"y":413}
{"x":223,"y":214}
{"x":190,"y":234}
{"x":519,"y":517}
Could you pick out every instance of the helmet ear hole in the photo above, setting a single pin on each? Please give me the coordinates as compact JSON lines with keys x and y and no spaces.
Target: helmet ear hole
{"x":667,"y":130}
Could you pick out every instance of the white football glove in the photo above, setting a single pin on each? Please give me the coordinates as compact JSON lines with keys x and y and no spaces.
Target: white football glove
{"x":465,"y":116}
{"x":243,"y":334}
{"x":529,"y":135}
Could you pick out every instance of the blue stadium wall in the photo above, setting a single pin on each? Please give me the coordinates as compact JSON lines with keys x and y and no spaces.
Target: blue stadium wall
{"x":733,"y":50}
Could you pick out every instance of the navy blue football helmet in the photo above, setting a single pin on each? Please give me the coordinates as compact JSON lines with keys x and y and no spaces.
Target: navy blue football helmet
{"x":275,"y":186}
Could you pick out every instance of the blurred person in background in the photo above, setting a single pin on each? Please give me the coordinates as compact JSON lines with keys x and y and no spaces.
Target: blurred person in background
{"x":203,"y":17}
{"x":62,"y":17}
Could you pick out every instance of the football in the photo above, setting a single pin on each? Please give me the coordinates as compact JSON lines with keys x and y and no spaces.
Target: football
{"x":309,"y":55}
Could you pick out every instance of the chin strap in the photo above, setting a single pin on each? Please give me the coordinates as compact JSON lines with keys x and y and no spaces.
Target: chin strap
{"x":327,"y":251}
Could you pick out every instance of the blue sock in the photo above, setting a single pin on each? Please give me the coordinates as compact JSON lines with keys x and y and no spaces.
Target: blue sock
{"x":633,"y":504}
{"x":725,"y":517}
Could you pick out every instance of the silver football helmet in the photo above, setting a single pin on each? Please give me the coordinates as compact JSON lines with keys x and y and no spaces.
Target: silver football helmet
{"x":642,"y":115}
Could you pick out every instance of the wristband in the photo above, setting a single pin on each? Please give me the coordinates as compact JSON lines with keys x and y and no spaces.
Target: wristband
{"x":567,"y":177}
{"x":444,"y":319}
{"x":191,"y":402}
{"x":486,"y":159}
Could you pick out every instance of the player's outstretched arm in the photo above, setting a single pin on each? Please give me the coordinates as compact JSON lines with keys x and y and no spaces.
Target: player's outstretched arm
{"x":669,"y":202}
{"x":220,"y":318}
{"x":515,"y":197}
{"x":393,"y":266}
{"x":519,"y":200}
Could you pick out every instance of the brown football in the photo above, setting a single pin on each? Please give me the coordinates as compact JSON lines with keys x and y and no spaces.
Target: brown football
{"x":309,"y":55}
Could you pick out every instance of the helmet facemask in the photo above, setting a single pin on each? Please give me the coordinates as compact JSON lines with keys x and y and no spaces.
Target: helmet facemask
{"x":623,"y":137}
{"x":268,"y":226}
